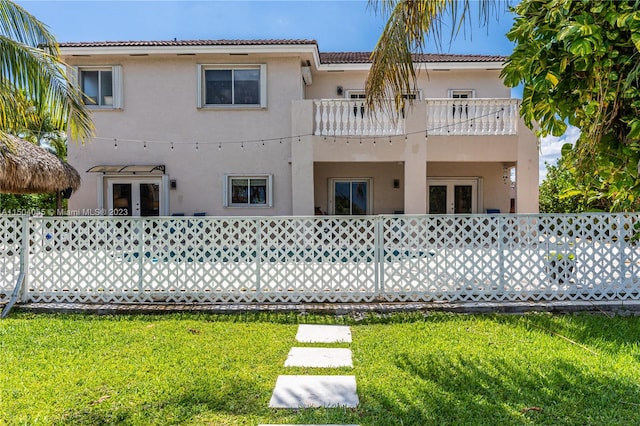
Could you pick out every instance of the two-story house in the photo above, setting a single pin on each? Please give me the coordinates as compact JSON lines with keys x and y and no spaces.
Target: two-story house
{"x":275,"y":127}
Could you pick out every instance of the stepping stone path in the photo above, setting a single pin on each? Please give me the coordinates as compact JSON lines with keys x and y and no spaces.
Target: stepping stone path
{"x":296,"y":392}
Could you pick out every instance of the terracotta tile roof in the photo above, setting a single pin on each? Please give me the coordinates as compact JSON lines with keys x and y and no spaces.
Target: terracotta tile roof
{"x":164,"y":43}
{"x":325,"y":58}
{"x":363,"y":58}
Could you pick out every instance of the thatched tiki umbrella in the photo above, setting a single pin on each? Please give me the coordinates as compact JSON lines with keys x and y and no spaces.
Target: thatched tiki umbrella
{"x":29,"y":169}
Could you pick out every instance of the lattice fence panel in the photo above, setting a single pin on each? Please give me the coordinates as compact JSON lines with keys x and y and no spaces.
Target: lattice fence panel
{"x":318,"y":259}
{"x":11,"y":246}
{"x":201,"y":259}
{"x":439,"y":258}
{"x":84,"y":260}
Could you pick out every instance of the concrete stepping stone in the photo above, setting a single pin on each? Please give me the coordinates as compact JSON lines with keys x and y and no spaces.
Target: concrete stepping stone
{"x":308,"y":333}
{"x":314,"y":391}
{"x":319,"y":357}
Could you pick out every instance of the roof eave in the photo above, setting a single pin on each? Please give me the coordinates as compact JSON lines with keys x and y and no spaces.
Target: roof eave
{"x":429,"y":66}
{"x":189,"y":49}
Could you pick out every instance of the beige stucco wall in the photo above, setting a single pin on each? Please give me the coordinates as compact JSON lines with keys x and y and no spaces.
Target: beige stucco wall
{"x":495,"y":190}
{"x":434,"y":84}
{"x":386,"y":198}
{"x":160,"y":105}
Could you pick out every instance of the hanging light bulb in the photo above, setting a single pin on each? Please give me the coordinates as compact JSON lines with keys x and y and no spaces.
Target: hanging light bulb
{"x":144,"y":145}
{"x":115,"y":143}
{"x":219,"y":146}
{"x":171,"y":146}
{"x":196,"y":146}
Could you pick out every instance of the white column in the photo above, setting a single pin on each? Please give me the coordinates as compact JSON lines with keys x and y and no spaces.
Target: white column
{"x":415,"y":161}
{"x":302,"y":194}
{"x":527,"y":171}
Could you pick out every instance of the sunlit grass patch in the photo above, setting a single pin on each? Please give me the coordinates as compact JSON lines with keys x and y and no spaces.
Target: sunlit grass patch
{"x":411,"y":369}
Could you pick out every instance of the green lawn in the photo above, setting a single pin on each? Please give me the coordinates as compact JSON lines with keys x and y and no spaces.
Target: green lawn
{"x":410,"y":369}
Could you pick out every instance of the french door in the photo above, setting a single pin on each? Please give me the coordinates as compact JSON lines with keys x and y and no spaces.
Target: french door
{"x":133,"y":197}
{"x":452,"y":196}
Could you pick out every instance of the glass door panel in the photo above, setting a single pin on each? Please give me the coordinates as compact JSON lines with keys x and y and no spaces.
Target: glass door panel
{"x":463,"y":199}
{"x":149,"y":199}
{"x":438,"y":199}
{"x":121,"y":199}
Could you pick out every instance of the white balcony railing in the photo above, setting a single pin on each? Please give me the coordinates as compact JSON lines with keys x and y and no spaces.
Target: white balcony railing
{"x":339,"y":117}
{"x":471,"y":117}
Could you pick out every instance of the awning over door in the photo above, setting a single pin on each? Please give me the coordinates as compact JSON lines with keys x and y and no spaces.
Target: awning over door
{"x":127,"y":169}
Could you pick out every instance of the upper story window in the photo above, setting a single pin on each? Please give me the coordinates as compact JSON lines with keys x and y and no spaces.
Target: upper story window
{"x":232,"y":85}
{"x":361,"y":94}
{"x":101,"y":86}
{"x":462,"y":93}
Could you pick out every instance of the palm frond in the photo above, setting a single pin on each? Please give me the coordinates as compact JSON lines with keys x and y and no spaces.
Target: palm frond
{"x":19,"y":25}
{"x":410,"y":24}
{"x":42,"y":78}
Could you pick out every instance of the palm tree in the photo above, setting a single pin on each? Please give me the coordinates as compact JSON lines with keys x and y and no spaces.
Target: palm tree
{"x":410,"y":24}
{"x":31,"y":68}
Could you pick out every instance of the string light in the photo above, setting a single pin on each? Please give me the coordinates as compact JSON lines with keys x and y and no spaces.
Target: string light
{"x":347,"y":139}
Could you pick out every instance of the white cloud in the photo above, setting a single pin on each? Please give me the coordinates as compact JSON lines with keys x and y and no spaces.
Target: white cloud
{"x":551,"y":147}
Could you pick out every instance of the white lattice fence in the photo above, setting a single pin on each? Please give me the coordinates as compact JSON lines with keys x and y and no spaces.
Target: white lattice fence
{"x":329,"y":259}
{"x":511,"y":258}
{"x":11,"y":245}
{"x":203,"y":259}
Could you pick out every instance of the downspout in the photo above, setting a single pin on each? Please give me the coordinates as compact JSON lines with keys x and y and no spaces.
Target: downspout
{"x":14,"y":295}
{"x":23,"y":255}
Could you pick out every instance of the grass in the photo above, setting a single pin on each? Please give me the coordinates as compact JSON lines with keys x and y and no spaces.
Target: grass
{"x":411,"y":369}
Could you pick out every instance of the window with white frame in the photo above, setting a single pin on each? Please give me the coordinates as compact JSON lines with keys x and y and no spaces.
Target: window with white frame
{"x":248,"y":191}
{"x":361,"y":94}
{"x":462,"y":93}
{"x":101,"y":86}
{"x":232,"y":85}
{"x":350,"y":196}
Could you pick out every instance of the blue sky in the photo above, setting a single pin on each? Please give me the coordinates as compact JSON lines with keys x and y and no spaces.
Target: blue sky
{"x":337,"y":25}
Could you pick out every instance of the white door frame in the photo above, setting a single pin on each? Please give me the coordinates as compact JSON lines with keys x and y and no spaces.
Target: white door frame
{"x":450,"y":183}
{"x":134,"y":181}
{"x":331,"y":192}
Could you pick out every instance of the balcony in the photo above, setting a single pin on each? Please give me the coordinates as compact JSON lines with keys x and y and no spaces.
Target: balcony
{"x":339,"y":117}
{"x":444,"y":117}
{"x":472,"y":117}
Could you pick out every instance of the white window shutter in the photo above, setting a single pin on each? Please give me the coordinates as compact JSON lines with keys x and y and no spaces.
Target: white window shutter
{"x":118,"y":89}
{"x":225,"y":190}
{"x":263,"y":85}
{"x":200,"y":87}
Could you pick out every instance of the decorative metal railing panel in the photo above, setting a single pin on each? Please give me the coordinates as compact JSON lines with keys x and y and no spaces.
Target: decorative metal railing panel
{"x":472,"y":117}
{"x":11,"y":245}
{"x":477,"y":258}
{"x":339,"y":117}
